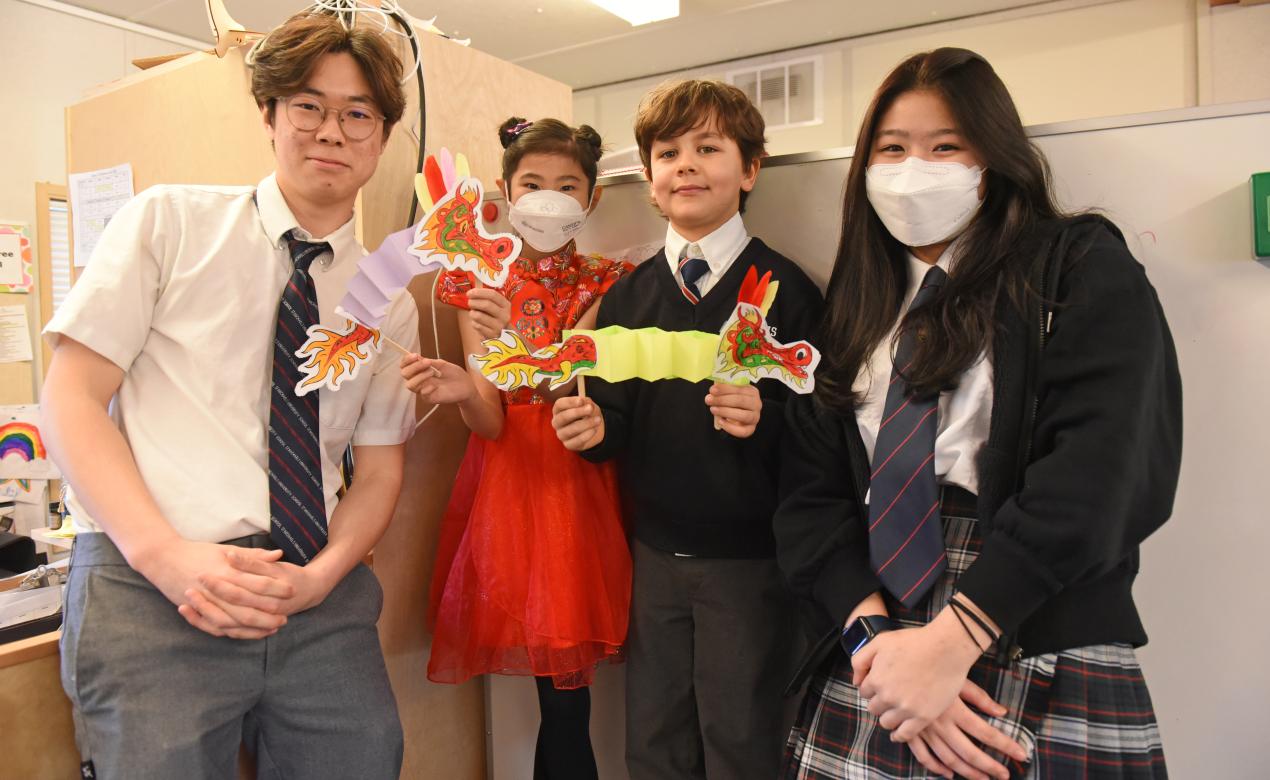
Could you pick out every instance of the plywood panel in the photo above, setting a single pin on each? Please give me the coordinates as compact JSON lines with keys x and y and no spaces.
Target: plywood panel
{"x":37,"y":737}
{"x":190,"y":121}
{"x":468,"y":94}
{"x":445,"y":724}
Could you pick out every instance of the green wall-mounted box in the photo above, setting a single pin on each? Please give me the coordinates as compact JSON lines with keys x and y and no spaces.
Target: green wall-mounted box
{"x":1261,"y":214}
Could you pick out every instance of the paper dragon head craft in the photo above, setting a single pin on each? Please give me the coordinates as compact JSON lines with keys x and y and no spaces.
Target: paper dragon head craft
{"x":451,"y":235}
{"x":510,"y":363}
{"x":742,"y":352}
{"x":747,"y":351}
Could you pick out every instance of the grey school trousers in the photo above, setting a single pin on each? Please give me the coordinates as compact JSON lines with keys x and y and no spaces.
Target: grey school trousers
{"x":711,"y":647}
{"x":154,"y":697}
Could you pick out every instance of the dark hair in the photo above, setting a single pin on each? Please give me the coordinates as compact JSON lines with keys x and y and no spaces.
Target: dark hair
{"x":520,"y":137}
{"x":284,"y":60}
{"x":870,"y":273}
{"x":676,"y":107}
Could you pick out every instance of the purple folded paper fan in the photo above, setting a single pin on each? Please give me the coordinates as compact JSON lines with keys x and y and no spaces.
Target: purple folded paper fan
{"x":381,"y":276}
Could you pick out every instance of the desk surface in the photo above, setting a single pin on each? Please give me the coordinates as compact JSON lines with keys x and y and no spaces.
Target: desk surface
{"x":23,"y":650}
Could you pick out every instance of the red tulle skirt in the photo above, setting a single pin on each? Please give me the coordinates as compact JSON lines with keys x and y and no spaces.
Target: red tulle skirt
{"x":533,"y":572}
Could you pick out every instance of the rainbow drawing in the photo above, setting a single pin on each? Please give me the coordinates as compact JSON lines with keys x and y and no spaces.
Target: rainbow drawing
{"x":21,"y":439}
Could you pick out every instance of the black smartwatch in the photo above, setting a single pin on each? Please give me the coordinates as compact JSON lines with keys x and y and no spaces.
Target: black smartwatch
{"x":862,"y":630}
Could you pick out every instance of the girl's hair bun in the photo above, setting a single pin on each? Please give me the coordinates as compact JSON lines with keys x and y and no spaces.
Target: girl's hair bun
{"x":589,"y":136}
{"x":510,"y":129}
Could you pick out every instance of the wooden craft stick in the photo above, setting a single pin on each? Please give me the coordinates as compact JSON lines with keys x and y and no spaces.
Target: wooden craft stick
{"x":581,"y":385}
{"x":404,"y":351}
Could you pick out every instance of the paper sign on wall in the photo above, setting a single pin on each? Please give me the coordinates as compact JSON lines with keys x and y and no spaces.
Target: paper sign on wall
{"x":15,"y":335}
{"x":15,"y":259}
{"x":95,"y":198}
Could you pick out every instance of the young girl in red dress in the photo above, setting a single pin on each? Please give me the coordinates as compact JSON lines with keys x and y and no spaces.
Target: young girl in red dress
{"x":532,"y":574}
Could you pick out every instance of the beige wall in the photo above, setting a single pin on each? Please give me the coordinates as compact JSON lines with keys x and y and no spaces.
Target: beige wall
{"x":1069,"y":59}
{"x":1070,"y":63}
{"x":611,"y":109}
{"x":1234,"y":53}
{"x":58,"y":57}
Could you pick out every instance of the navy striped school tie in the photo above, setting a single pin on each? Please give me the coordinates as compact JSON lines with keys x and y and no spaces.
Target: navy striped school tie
{"x":692,"y":266}
{"x":906,"y":539}
{"x":297,"y":506}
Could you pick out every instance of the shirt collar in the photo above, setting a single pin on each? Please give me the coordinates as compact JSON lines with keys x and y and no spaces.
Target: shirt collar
{"x":917,"y":268}
{"x":277,"y":220}
{"x":720,"y":247}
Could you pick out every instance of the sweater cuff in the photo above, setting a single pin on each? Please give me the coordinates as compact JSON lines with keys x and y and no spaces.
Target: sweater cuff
{"x":1007,"y":583}
{"x":843,"y":583}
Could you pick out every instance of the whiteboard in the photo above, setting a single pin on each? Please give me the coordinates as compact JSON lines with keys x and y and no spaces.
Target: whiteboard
{"x":1177,"y":184}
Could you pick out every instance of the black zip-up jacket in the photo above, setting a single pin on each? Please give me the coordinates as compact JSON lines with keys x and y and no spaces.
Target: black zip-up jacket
{"x":1080,"y":466}
{"x":686,"y":487}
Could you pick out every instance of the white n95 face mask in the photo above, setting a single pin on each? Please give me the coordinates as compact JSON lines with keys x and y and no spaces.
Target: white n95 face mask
{"x":923,"y":203}
{"x":547,"y":219}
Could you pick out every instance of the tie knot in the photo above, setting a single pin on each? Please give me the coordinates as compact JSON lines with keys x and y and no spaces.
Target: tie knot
{"x":692,"y":263}
{"x":303,"y":253}
{"x":935,"y":277}
{"x":931,"y":282}
{"x":691,"y":269}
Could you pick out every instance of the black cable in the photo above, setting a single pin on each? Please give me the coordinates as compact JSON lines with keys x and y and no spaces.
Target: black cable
{"x":423,"y":110}
{"x":348,"y":464}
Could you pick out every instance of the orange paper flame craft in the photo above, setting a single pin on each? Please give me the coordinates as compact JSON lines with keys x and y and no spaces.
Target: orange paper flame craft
{"x":334,"y":356}
{"x":509,"y":364}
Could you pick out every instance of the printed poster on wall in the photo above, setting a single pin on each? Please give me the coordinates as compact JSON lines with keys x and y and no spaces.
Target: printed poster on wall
{"x":15,"y":258}
{"x":95,"y":197}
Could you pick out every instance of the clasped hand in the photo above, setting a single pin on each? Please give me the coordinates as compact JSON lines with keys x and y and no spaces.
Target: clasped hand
{"x":915,"y":683}
{"x":242,"y":593}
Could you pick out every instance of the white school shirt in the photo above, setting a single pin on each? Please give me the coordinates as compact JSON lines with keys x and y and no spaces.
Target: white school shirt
{"x":720,"y":248}
{"x":964,"y":413}
{"x":182,"y":293}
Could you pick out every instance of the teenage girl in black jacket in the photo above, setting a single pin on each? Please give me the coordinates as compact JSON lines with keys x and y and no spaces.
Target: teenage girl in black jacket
{"x":1055,"y":419}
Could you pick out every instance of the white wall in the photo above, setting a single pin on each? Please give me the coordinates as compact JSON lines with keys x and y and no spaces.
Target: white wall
{"x":50,"y":59}
{"x":1069,"y":59}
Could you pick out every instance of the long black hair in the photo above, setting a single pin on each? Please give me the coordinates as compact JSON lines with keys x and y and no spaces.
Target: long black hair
{"x":870,"y":274}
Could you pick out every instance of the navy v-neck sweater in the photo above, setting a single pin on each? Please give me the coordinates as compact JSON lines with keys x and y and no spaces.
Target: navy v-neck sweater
{"x":686,"y":487}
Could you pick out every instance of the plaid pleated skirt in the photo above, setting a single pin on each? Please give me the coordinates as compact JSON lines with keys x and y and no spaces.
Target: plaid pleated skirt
{"x":1081,"y":713}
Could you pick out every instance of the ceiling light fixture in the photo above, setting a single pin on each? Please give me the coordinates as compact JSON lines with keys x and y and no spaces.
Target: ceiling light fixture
{"x":639,"y":12}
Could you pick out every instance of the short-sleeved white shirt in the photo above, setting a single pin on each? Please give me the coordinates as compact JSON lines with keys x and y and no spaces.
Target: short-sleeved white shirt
{"x":182,"y":293}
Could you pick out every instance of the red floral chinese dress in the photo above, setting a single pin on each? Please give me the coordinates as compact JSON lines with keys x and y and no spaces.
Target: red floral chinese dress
{"x":533,"y":571}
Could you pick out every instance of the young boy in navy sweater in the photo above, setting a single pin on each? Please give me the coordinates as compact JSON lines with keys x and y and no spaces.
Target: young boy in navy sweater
{"x":711,"y":624}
